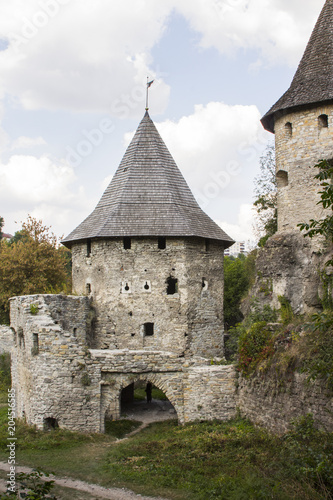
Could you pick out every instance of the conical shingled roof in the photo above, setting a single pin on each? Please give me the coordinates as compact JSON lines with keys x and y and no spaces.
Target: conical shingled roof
{"x":148,"y":196}
{"x":313,"y":80}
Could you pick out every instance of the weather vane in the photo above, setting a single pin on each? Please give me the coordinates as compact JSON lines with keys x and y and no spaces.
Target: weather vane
{"x":149,"y":83}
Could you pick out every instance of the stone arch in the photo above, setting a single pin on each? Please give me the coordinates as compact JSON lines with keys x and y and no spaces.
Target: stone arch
{"x":111,"y":393}
{"x":163,"y":383}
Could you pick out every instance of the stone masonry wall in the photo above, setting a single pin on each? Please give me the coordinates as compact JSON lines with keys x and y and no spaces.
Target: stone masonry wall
{"x":64,"y":380}
{"x":6,"y":339}
{"x":51,"y":368}
{"x":209,"y":393}
{"x":129,"y":289}
{"x":274,"y":403}
{"x":300,"y":143}
{"x":56,"y":376}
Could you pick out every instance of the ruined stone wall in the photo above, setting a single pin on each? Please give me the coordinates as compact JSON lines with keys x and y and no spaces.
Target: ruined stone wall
{"x":52,"y":373}
{"x":6,"y":339}
{"x":129,"y":290}
{"x":301,"y":141}
{"x":273,"y":403}
{"x":57,"y":377}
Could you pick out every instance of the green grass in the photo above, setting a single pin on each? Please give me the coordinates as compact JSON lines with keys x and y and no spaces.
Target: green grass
{"x":199,"y":461}
{"x":119,"y":428}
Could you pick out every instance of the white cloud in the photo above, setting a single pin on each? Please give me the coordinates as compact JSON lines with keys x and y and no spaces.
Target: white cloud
{"x":91,"y":55}
{"x":94,"y":55}
{"x":24,"y":142}
{"x":243,"y":230}
{"x":42,"y":188}
{"x":217,"y":148}
{"x":279,"y":29}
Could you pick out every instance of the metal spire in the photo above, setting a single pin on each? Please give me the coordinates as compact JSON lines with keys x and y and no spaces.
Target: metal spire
{"x":149,"y":83}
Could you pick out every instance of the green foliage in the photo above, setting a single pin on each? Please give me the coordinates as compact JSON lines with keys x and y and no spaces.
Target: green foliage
{"x":31,"y":439}
{"x":34,"y":486}
{"x":34,"y":309}
{"x":32,"y":263}
{"x":5,"y":377}
{"x":2,"y":222}
{"x":140,"y":395}
{"x":311,"y":453}
{"x":286,"y":311}
{"x":238,"y":274}
{"x":327,"y":287}
{"x":255,"y":345}
{"x":323,"y":226}
{"x":266,"y":196}
{"x":85,"y":380}
{"x":258,"y":314}
{"x":318,"y":360}
{"x":199,"y":461}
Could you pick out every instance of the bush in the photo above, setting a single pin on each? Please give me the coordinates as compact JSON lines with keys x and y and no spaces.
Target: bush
{"x":255,"y":345}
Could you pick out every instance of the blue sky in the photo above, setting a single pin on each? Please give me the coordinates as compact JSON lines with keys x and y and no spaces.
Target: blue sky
{"x":72,"y":86}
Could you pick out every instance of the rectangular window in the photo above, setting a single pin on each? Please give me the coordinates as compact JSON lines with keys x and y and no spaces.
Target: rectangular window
{"x":172,"y":286}
{"x":148,"y":329}
{"x":161,"y":243}
{"x":127,"y":243}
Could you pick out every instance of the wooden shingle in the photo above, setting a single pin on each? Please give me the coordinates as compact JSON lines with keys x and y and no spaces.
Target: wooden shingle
{"x":313,"y":80}
{"x":148,"y":196}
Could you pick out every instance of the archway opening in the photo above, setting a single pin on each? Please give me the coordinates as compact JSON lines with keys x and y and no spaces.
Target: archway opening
{"x":144,"y":401}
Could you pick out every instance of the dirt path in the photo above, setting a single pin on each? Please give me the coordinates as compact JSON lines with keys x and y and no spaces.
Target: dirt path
{"x":139,"y":410}
{"x":96,"y":491}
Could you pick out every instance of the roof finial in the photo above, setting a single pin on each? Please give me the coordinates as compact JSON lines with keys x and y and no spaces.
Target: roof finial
{"x":149,"y":83}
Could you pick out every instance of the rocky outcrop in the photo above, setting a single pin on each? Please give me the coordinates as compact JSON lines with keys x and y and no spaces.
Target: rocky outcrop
{"x":289,"y":266}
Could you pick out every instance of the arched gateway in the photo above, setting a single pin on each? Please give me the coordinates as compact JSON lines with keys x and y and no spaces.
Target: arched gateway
{"x":149,"y":262}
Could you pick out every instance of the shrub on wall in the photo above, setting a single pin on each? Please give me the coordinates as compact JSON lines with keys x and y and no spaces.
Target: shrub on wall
{"x":255,"y":345}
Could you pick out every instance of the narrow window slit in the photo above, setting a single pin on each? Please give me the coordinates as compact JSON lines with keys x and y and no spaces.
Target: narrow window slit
{"x":88,"y":248}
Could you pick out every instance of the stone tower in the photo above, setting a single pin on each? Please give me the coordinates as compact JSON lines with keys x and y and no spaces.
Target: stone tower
{"x":302,"y":120}
{"x":150,"y":258}
{"x":148,"y":273}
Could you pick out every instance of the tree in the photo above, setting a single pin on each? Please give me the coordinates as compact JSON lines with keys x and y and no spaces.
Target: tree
{"x":2,"y":222}
{"x":236,"y":283}
{"x":266,"y":196}
{"x":33,"y":263}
